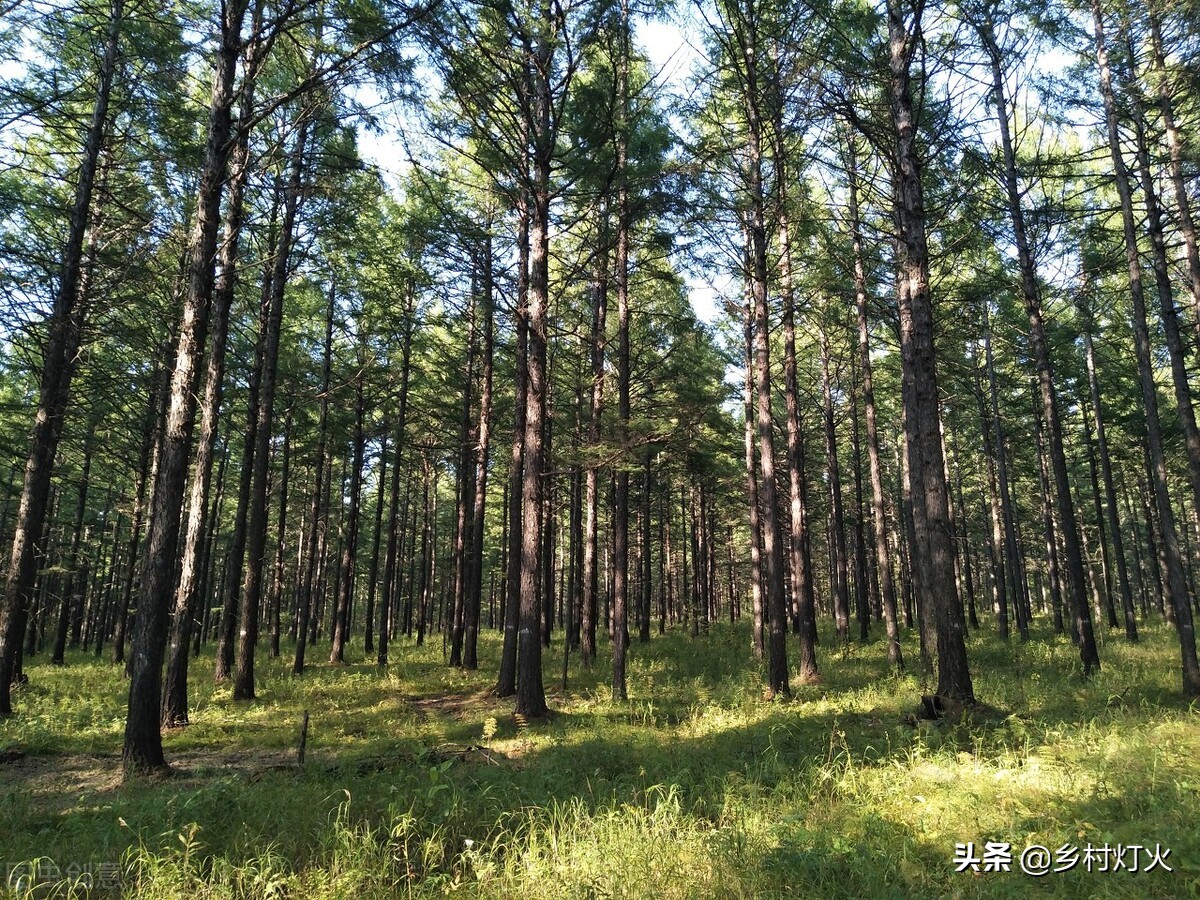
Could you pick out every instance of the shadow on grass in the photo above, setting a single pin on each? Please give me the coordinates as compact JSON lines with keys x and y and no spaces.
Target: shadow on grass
{"x":830,"y":793}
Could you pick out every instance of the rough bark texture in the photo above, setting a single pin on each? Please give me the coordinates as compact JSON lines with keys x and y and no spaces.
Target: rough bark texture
{"x":58,"y":368}
{"x":932,"y":549}
{"x":143,"y":740}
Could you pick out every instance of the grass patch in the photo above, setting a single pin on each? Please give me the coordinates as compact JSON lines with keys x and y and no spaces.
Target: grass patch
{"x":419,"y":783}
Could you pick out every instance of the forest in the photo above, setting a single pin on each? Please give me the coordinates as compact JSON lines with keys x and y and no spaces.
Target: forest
{"x":599,"y":448}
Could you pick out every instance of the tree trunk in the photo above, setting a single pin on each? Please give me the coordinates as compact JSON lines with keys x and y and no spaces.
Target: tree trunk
{"x":143,"y":739}
{"x":1183,"y":207}
{"x":932,"y":549}
{"x":392,"y":565}
{"x":58,"y":369}
{"x":464,"y":529}
{"x":756,"y":593}
{"x":74,"y":559}
{"x":837,"y":536}
{"x":341,"y":630}
{"x":256,"y":538}
{"x":1110,"y":492}
{"x":506,"y":685}
{"x":1176,"y":585}
{"x":530,"y":693}
{"x":482,"y":451}
{"x":278,"y":574}
{"x":1011,"y":561}
{"x":804,"y":612}
{"x":175,"y":694}
{"x":316,"y":518}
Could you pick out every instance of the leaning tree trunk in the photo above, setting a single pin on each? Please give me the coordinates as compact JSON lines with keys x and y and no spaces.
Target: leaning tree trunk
{"x":1183,"y":204}
{"x":1068,"y":522}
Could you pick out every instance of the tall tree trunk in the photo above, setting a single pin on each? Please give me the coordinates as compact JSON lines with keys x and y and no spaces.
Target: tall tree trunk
{"x":591,"y":528}
{"x":392,"y":565}
{"x":804,"y":612}
{"x":316,"y":518}
{"x":530,"y":693}
{"x":256,"y":538}
{"x":58,"y":369}
{"x":483,"y":433}
{"x":932,"y":550}
{"x":175,"y":694}
{"x":506,"y":684}
{"x":1068,"y":522}
{"x":1110,"y":492}
{"x":621,"y":494}
{"x":1176,"y":585}
{"x":837,"y":536}
{"x":756,"y":593}
{"x":464,"y":529}
{"x":143,"y":739}
{"x":234,"y":573}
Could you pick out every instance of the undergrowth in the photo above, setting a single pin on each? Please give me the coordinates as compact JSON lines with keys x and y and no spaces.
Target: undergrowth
{"x":418,"y":783}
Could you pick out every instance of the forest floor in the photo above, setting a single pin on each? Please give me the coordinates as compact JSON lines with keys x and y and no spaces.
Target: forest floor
{"x":417,"y":782}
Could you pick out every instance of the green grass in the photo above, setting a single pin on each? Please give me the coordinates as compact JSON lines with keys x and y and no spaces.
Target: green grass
{"x":694,"y":788}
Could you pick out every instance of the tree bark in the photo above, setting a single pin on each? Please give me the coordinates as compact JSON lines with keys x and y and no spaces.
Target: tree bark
{"x":317,"y":523}
{"x":483,"y":433}
{"x":932,"y":549}
{"x":1176,"y":585}
{"x":1110,"y":492}
{"x":58,"y":369}
{"x":143,"y":739}
{"x":243,"y":678}
{"x":175,"y":694}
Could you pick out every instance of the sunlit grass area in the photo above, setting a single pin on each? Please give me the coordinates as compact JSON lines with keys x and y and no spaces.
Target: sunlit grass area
{"x":418,"y":783}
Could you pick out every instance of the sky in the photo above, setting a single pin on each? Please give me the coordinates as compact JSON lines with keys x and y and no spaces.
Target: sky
{"x":673,"y":55}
